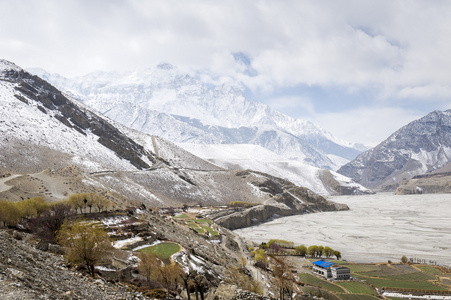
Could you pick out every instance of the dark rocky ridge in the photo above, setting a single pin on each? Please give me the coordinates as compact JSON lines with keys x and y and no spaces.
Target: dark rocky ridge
{"x":336,"y":188}
{"x":74,"y":116}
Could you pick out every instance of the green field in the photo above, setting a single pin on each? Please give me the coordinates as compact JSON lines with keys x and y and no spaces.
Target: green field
{"x":211,"y":231}
{"x":396,"y":275}
{"x":405,"y":284}
{"x":429,"y":270}
{"x":355,"y":287}
{"x":403,"y":276}
{"x":391,"y":270}
{"x":315,"y":281}
{"x":195,"y":227}
{"x":356,"y":297}
{"x":182,"y":216}
{"x":416,"y":276}
{"x":162,"y":250}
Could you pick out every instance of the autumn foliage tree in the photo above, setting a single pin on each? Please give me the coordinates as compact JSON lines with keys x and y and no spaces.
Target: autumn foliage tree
{"x":300,"y":250}
{"x":328,"y":251}
{"x":148,"y":265}
{"x":85,"y":243}
{"x":167,"y":274}
{"x":11,"y":213}
{"x":84,"y":200}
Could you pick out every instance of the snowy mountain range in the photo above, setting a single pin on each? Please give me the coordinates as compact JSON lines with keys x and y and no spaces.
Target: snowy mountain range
{"x":52,"y":145}
{"x":422,"y":146}
{"x":167,"y":102}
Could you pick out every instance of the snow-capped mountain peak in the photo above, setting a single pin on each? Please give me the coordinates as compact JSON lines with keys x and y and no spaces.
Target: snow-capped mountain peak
{"x":421,"y":146}
{"x":168,"y":102}
{"x":7,"y":66}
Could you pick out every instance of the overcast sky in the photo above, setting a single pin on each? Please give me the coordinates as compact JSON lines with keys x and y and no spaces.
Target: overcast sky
{"x":359,"y":69}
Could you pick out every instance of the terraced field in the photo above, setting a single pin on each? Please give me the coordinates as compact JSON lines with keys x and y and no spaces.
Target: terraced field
{"x":402,"y":276}
{"x":201,"y":226}
{"x":356,"y":297}
{"x":316,"y":281}
{"x":354,"y":287}
{"x":398,"y":276}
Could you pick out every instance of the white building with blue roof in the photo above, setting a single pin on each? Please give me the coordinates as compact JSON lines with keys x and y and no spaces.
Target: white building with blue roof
{"x":325,"y":269}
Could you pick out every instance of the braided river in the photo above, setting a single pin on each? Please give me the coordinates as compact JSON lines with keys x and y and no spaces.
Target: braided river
{"x":377,"y":228}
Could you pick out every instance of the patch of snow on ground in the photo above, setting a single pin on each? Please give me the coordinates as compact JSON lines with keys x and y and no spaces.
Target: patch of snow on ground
{"x":147,"y":245}
{"x":348,"y":182}
{"x":410,"y":296}
{"x":122,"y":243}
{"x":337,"y":160}
{"x":115,"y":221}
{"x":256,"y":191}
{"x":102,"y":268}
{"x":196,"y":264}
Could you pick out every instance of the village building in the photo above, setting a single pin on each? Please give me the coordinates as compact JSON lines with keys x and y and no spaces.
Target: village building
{"x":341,"y":273}
{"x":325,"y":269}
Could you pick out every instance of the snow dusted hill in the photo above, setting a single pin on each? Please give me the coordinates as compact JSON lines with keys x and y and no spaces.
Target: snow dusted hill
{"x":420,"y":147}
{"x":167,"y":102}
{"x":52,"y":146}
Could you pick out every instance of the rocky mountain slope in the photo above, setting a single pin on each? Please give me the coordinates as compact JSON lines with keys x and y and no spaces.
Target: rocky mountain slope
{"x":421,"y":147}
{"x":28,"y":274}
{"x":167,"y":102}
{"x":54,"y":146}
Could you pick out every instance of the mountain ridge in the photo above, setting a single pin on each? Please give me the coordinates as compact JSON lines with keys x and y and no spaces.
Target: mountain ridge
{"x":417,"y":148}
{"x":201,"y":113}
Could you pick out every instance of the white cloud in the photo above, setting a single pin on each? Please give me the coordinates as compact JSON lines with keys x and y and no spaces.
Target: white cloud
{"x":286,"y":104}
{"x":345,"y":43}
{"x":396,"y":49}
{"x":368,"y":125}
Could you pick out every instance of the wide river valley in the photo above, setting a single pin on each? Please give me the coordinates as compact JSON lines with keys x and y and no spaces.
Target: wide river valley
{"x":377,"y":228}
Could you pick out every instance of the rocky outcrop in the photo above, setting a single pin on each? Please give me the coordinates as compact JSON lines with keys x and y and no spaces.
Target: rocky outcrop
{"x":425,"y":184}
{"x":420,"y":147}
{"x":229,"y":291}
{"x":339,"y":188}
{"x":290,"y":202}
